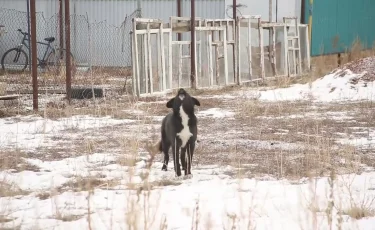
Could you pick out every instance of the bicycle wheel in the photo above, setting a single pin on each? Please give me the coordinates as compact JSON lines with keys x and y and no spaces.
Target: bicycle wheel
{"x":56,"y":62}
{"x":14,"y":59}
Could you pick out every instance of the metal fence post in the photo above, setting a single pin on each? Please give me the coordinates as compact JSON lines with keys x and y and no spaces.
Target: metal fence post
{"x":235,"y":42}
{"x":28,"y":26}
{"x":67,"y":53}
{"x":34,"y":51}
{"x":192,"y":45}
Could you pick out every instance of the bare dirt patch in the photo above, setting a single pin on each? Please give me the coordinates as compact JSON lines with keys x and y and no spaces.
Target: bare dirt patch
{"x":68,"y":217}
{"x":283,"y":139}
{"x":360,"y":65}
{"x":79,"y":184}
{"x":15,"y":160}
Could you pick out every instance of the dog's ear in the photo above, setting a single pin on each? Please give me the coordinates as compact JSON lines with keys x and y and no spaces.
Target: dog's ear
{"x":170,"y":103}
{"x":196,"y":102}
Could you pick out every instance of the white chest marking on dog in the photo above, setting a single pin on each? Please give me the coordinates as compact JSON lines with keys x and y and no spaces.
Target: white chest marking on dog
{"x":185,"y":133}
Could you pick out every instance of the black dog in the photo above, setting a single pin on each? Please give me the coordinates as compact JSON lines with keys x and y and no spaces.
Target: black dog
{"x":179,"y":130}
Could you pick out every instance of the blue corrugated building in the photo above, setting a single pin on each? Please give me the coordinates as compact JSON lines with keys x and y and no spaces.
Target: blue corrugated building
{"x":336,"y":24}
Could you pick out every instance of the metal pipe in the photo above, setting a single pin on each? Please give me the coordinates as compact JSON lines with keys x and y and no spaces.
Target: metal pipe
{"x":139,"y":7}
{"x":28,"y":27}
{"x":192,"y":45}
{"x":34,"y":72}
{"x":179,"y":35}
{"x":67,"y":53}
{"x":277,"y":6}
{"x":235,"y":34}
{"x":61,"y":29}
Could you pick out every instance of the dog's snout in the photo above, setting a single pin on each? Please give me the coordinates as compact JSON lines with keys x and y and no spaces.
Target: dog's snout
{"x":181,"y":91}
{"x":181,"y":94}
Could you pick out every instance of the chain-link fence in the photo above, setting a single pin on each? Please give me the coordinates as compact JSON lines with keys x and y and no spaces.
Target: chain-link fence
{"x":101,"y":47}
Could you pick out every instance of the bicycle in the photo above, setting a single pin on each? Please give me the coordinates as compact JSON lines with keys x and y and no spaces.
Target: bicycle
{"x":229,"y":10}
{"x":50,"y":60}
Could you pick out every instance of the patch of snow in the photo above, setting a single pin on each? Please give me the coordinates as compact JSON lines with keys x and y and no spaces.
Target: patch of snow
{"x":364,"y":139}
{"x":268,"y":204}
{"x":134,"y":111}
{"x":340,"y":116}
{"x":31,"y":132}
{"x":337,"y":86}
{"x":215,"y":113}
{"x":55,"y":173}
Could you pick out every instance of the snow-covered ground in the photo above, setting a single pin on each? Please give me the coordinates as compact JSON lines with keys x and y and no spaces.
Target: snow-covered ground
{"x":338,"y":86}
{"x":55,"y":195}
{"x":211,"y":198}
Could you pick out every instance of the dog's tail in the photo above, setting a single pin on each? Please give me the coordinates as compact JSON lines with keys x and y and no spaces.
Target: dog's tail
{"x":160,"y":146}
{"x":154,"y":148}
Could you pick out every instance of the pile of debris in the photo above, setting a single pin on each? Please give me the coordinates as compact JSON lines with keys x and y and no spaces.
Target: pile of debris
{"x":364,"y":66}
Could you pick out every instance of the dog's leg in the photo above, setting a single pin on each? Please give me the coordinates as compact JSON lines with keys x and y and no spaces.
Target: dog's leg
{"x":190,"y":152}
{"x":176,"y":158}
{"x":165,"y":147}
{"x":183,"y":158}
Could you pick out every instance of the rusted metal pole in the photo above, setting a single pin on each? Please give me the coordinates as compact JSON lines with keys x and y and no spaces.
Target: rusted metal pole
{"x":61,"y":27}
{"x":179,"y":35}
{"x":192,"y":45}
{"x":34,"y":70}
{"x":28,"y":27}
{"x":67,"y":53}
{"x":235,"y":32}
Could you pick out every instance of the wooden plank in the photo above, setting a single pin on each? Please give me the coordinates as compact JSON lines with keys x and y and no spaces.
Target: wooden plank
{"x":9,"y":97}
{"x":136,"y":77}
{"x":209,"y":53}
{"x":286,"y":53}
{"x":308,"y":48}
{"x":170,"y":58}
{"x":225,"y":57}
{"x":149,"y":55}
{"x":263,"y":74}
{"x":238,"y":57}
{"x":163,"y":59}
{"x":180,"y":65}
{"x":145,"y":61}
{"x":249,"y":51}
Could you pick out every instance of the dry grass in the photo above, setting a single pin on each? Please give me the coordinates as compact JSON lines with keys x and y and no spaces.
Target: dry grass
{"x":44,"y":195}
{"x":11,"y":190}
{"x":4,"y":219}
{"x":15,"y":160}
{"x":68,"y":217}
{"x":360,"y":212}
{"x":89,"y":183}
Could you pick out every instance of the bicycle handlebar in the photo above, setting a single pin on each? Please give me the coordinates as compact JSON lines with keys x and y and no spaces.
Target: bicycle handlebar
{"x":24,"y":33}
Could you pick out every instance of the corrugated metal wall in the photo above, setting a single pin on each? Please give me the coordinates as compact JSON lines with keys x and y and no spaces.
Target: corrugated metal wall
{"x":100,"y":21}
{"x":337,"y":23}
{"x":114,"y":11}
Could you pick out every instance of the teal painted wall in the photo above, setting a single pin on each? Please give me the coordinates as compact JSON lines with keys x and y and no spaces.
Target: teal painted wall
{"x":337,"y":23}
